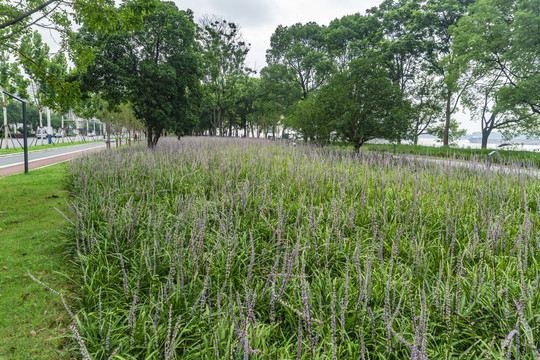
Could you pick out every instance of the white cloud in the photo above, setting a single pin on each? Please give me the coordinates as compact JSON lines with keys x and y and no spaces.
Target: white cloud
{"x":259,"y":19}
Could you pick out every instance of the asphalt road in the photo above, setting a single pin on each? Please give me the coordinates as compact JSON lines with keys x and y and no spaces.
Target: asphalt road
{"x":14,"y":163}
{"x":18,"y":143}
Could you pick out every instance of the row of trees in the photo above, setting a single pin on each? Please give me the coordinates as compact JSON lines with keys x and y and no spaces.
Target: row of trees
{"x":397,"y":72}
{"x":402,"y":69}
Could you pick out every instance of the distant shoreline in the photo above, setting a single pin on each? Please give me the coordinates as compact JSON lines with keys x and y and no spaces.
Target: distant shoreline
{"x":512,"y":142}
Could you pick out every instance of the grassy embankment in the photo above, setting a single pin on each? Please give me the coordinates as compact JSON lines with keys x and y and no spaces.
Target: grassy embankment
{"x":32,"y":321}
{"x":43,"y":147}
{"x":229,"y":248}
{"x":503,"y":157}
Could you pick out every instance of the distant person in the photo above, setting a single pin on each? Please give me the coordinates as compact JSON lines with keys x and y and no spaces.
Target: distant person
{"x":135,"y":137}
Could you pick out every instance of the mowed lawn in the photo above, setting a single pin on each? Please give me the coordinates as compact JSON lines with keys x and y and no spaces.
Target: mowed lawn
{"x":33,"y":321}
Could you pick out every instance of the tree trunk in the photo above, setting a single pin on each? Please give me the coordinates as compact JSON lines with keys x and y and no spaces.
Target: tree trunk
{"x":152,"y":138}
{"x":41,"y":126}
{"x":220,"y":122}
{"x":485,"y":136}
{"x":108,"y":135}
{"x":63,"y":129}
{"x":6,"y":129}
{"x":149,"y":141}
{"x":448,"y":114}
{"x":213,"y":125}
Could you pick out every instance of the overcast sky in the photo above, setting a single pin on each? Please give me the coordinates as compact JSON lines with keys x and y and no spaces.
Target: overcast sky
{"x":259,"y":18}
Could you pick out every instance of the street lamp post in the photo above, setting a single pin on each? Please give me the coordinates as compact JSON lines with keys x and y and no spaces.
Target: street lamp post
{"x":25,"y":132}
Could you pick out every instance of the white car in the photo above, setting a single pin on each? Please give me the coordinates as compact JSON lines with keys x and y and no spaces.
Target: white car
{"x":41,"y":134}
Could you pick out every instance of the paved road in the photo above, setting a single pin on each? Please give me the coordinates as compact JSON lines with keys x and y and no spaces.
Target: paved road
{"x":473,"y":166}
{"x":18,"y":143}
{"x":14,"y":163}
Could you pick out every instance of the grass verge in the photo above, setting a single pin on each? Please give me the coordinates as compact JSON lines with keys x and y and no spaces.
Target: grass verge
{"x":33,"y":321}
{"x":43,"y":147}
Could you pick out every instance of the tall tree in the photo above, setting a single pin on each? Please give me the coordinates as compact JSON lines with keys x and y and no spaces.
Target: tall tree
{"x":224,"y":54}
{"x":301,"y":48}
{"x":352,"y":36}
{"x":310,"y":122}
{"x":438,"y":16}
{"x":35,"y":61}
{"x":427,"y":105}
{"x":483,"y":100}
{"x":401,"y":43}
{"x":246,"y":97}
{"x":277,"y":92}
{"x":155,"y":69}
{"x":363,"y":103}
{"x":505,"y":36}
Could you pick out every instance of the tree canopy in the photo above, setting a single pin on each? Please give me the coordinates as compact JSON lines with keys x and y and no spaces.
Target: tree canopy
{"x":362,"y":103}
{"x":190,"y":77}
{"x":156,"y":69}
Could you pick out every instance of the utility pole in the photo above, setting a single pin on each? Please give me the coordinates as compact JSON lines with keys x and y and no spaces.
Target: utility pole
{"x":25,"y":132}
{"x":6,"y":127}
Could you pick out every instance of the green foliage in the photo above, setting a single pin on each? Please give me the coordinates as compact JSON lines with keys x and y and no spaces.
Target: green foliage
{"x":427,"y":106}
{"x":246,"y":89}
{"x":18,"y":19}
{"x":155,"y":69}
{"x":48,"y":75}
{"x":308,"y":119}
{"x":434,"y":23}
{"x":301,"y":49}
{"x":452,"y":132}
{"x":276,"y":93}
{"x":352,"y":36}
{"x":33,"y":56}
{"x":224,"y":54}
{"x":402,"y":39}
{"x":504,"y":37}
{"x":11,"y":79}
{"x":363,"y":103}
{"x":14,"y":116}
